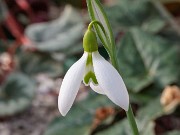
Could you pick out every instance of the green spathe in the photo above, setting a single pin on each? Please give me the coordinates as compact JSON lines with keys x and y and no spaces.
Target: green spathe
{"x":90,"y":41}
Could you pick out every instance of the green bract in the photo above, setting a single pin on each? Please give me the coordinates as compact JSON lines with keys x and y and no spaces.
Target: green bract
{"x":90,"y":41}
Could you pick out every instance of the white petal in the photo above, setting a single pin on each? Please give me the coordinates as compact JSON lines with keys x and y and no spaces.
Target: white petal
{"x":71,"y":84}
{"x":97,"y":88}
{"x":110,"y":81}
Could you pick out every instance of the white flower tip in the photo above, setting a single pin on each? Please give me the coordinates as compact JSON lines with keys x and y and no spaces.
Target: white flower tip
{"x":126,"y":109}
{"x":126,"y":106}
{"x":63,"y":113}
{"x":123,"y":102}
{"x":63,"y":106}
{"x":62,"y":109}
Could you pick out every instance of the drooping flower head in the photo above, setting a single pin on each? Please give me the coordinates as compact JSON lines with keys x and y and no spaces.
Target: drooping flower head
{"x":95,"y":72}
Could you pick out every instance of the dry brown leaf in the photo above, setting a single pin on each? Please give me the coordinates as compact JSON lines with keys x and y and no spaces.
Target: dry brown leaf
{"x":102,"y":114}
{"x":170,"y":98}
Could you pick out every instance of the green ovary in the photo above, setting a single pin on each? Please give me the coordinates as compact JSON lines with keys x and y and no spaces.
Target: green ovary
{"x":90,"y":41}
{"x":90,"y":75}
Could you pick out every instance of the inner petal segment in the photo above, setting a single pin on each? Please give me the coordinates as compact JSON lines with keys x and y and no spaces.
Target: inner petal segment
{"x":89,"y":75}
{"x":97,"y":88}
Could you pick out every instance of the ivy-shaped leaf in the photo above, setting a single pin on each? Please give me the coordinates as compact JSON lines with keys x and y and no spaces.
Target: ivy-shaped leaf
{"x":145,"y":59}
{"x":57,"y":35}
{"x":16,"y":94}
{"x":139,"y":13}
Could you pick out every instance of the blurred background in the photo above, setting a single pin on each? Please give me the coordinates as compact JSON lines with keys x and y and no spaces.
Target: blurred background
{"x":41,"y":39}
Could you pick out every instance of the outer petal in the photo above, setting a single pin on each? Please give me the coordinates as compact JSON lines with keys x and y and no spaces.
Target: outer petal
{"x":110,"y":81}
{"x":71,"y":84}
{"x":97,"y":88}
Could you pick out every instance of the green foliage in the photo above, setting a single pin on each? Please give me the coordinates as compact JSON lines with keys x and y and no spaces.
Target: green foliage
{"x":34,"y":63}
{"x":141,"y":13}
{"x":58,"y":35}
{"x":145,"y":59}
{"x":77,"y":122}
{"x":147,"y":114}
{"x":16,"y":94}
{"x":120,"y":128}
{"x":145,"y":120}
{"x":79,"y":119}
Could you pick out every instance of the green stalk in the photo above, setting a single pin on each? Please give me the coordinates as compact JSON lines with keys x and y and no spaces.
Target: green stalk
{"x":132,"y":121}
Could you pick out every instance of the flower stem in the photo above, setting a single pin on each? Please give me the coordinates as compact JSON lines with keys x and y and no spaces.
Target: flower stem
{"x":132,"y":121}
{"x":95,"y":22}
{"x":102,"y":28}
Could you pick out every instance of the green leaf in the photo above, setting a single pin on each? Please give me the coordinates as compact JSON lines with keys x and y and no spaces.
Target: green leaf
{"x":78,"y":49}
{"x":122,"y":128}
{"x":34,"y":63}
{"x":146,"y":116}
{"x":77,"y":122}
{"x":153,"y":24}
{"x":145,"y":59}
{"x":16,"y":94}
{"x":57,"y":35}
{"x":63,"y":41}
{"x":141,"y":13}
{"x":96,"y":12}
{"x":69,"y":62}
{"x":119,"y":128}
{"x":149,"y":129}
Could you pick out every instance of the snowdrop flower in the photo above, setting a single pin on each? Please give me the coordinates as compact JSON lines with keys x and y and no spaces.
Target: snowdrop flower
{"x":95,"y":72}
